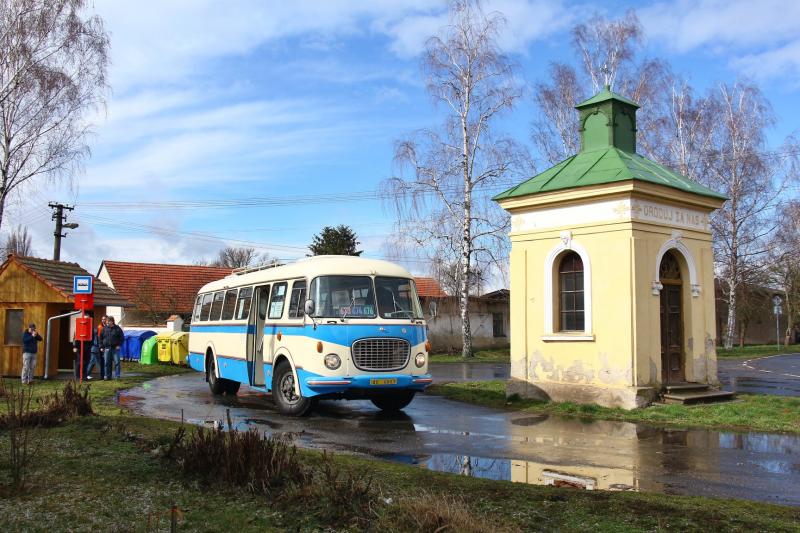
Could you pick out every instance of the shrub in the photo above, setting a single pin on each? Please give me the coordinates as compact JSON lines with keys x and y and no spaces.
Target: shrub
{"x":52,"y":410}
{"x":243,"y":459}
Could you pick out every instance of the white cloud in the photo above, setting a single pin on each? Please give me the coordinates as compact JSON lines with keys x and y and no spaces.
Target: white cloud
{"x":689,"y":24}
{"x":783,"y":61}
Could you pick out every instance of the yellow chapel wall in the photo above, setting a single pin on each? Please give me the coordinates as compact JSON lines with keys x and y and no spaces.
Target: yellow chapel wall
{"x":605,"y":361}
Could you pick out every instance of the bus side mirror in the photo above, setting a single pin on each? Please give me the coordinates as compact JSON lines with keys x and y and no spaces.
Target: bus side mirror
{"x":432,"y":308}
{"x":309,"y":307}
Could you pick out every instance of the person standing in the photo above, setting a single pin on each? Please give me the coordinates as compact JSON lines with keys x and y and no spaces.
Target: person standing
{"x":111,"y":338}
{"x":96,"y":355}
{"x":30,"y":340}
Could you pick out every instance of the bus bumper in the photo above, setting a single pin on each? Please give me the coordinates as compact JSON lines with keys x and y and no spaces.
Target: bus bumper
{"x":360,"y":386}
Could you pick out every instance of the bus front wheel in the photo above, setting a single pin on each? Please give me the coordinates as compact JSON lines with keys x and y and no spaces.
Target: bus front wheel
{"x":286,"y":399}
{"x":394,"y":401}
{"x":217,"y":385}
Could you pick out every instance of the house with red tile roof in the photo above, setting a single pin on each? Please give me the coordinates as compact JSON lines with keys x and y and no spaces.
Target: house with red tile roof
{"x":157,"y":291}
{"x":488,"y":317}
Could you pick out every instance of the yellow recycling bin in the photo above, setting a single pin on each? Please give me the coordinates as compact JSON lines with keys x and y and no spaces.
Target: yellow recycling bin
{"x":179,"y":342}
{"x":164,"y":347}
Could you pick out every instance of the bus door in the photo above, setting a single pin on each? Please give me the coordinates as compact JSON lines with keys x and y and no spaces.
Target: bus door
{"x":255,"y":336}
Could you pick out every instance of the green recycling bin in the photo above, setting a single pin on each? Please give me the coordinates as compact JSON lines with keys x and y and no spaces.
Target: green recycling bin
{"x":179,"y":346}
{"x":164,"y":347}
{"x":149,"y":354}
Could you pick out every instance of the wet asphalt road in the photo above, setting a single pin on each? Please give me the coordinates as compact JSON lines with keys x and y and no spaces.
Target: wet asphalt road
{"x":454,"y":437}
{"x":779,"y":375}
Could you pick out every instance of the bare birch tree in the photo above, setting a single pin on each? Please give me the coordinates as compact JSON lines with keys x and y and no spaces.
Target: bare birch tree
{"x":785,"y":264}
{"x":440,"y":205}
{"x":52,"y":74}
{"x":18,"y":243}
{"x":606,"y":55}
{"x":739,"y":166}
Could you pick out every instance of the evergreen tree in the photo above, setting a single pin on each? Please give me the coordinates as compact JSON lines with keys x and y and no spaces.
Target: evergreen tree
{"x":340,"y":240}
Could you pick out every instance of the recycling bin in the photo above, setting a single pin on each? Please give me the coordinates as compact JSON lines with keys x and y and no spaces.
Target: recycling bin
{"x":179,"y":343}
{"x":131,"y":348}
{"x":149,"y":353}
{"x":164,"y":347}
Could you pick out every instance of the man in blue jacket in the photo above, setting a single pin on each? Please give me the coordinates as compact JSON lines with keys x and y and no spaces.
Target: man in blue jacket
{"x":30,"y":346}
{"x":110,"y":338}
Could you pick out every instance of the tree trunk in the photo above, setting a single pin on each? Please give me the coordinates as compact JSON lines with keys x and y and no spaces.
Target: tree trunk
{"x":731,"y":325}
{"x":466,"y":331}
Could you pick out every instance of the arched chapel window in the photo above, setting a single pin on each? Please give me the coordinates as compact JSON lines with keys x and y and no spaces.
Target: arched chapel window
{"x":570,"y":288}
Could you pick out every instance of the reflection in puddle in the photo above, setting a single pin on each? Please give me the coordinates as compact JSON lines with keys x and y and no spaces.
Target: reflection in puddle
{"x":522,"y":447}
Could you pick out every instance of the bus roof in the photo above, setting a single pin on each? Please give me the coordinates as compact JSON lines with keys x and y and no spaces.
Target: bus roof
{"x":311,"y":267}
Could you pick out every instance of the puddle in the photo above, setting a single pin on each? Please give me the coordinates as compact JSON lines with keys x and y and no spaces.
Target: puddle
{"x":462,"y":439}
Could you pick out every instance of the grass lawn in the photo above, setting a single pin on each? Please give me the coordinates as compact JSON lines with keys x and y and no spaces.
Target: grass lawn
{"x":481,"y":356}
{"x":756,"y":412}
{"x":750,"y":352}
{"x":102,"y":473}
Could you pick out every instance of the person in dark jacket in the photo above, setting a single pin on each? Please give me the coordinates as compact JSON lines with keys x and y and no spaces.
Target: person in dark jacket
{"x":30,"y":345}
{"x":111,"y":338}
{"x":96,"y":356}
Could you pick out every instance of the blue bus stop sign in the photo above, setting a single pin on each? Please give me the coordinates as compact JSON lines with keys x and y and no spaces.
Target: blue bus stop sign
{"x":82,"y":284}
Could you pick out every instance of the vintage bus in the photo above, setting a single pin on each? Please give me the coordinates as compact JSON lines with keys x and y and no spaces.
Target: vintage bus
{"x":325,"y":327}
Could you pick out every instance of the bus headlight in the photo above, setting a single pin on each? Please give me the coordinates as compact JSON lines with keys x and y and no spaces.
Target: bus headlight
{"x":419,"y":360}
{"x":332,"y":361}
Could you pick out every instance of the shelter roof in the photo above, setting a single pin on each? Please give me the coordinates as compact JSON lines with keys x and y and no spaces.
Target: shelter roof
{"x":169,"y":288}
{"x":605,"y":165}
{"x":59,"y":274}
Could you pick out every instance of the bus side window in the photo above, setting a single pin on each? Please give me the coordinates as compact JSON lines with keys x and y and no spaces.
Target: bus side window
{"x":197,"y":306}
{"x":205,"y":310}
{"x":298,"y":299}
{"x":277,"y":300}
{"x":230,"y":304}
{"x":263,"y":300}
{"x":243,"y":304}
{"x":216,"y":307}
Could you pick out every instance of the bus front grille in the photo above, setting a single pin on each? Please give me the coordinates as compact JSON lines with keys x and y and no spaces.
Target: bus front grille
{"x":381,"y":354}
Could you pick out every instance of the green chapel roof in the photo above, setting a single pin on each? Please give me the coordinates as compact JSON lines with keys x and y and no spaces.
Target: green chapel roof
{"x":606,"y":165}
{"x":606,"y":94}
{"x":607,"y":155}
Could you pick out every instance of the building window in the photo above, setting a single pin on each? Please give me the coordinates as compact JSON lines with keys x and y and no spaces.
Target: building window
{"x":14,"y":327}
{"x":570,"y":288}
{"x":497,"y":325}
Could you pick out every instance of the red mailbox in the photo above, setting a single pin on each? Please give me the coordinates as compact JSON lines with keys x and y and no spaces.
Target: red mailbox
{"x":83,"y":328}
{"x":84,"y":302}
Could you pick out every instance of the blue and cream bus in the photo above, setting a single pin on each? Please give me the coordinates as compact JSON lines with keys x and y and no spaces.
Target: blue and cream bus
{"x":325,"y":327}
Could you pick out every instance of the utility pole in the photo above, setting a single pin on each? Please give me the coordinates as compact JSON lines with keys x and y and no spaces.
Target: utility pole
{"x":61,"y":219}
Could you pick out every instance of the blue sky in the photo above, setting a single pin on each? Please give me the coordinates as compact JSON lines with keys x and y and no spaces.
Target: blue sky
{"x":273,"y":99}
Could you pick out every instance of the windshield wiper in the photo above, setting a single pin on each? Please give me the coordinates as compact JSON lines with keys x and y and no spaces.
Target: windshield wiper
{"x":352,"y":303}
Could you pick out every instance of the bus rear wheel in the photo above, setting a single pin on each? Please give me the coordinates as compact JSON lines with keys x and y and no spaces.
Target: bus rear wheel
{"x":394,"y":401}
{"x":286,"y":399}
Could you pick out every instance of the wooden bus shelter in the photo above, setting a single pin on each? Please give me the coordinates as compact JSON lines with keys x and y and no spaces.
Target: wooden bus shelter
{"x":34,"y":290}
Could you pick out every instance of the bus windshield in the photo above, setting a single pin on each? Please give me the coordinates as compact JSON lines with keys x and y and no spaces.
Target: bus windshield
{"x":343,"y":296}
{"x":397,"y":298}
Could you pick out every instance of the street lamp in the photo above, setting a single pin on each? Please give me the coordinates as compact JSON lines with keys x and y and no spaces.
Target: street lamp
{"x":778,"y":310}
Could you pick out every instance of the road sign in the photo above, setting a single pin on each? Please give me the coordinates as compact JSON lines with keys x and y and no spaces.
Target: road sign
{"x":82,"y":284}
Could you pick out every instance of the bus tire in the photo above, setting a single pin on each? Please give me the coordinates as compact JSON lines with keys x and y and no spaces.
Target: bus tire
{"x":216,"y":384}
{"x":283,"y":394}
{"x":394,"y":401}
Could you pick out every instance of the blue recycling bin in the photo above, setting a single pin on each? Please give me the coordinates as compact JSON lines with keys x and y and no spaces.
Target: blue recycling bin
{"x":131,"y":348}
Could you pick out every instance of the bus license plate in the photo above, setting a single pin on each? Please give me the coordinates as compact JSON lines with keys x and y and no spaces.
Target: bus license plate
{"x":384,"y":381}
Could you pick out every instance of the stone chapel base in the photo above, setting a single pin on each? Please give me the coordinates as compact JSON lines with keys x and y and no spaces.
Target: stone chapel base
{"x":623,"y":397}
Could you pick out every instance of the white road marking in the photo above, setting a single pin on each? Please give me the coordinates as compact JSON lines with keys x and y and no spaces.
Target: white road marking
{"x":747,"y":364}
